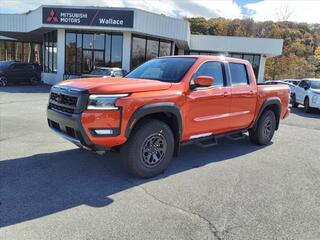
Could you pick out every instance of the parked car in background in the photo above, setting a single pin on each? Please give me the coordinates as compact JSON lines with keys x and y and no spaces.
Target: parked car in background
{"x":12,"y":72}
{"x":293,"y":81}
{"x":307,"y":93}
{"x":291,"y":85}
{"x":105,"y":72}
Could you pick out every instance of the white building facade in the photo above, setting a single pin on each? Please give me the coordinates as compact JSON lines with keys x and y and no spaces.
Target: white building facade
{"x":68,"y":41}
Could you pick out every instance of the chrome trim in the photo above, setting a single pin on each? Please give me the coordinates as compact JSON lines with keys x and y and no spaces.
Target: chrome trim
{"x":200,"y":135}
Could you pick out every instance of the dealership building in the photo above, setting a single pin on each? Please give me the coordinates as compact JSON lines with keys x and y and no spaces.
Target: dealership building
{"x":68,"y":41}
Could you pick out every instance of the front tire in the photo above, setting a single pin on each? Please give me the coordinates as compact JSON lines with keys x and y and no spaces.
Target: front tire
{"x":149,"y":150}
{"x":307,"y":107}
{"x":264,"y":131}
{"x":294,"y":101}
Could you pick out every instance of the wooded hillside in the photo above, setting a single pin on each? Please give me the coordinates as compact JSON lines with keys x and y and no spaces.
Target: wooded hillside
{"x":301,"y":50}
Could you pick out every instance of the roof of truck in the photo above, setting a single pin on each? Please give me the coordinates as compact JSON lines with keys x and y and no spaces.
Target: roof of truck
{"x":209,"y":57}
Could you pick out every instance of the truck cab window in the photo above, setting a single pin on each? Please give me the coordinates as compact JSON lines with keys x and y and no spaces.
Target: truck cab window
{"x":239,"y":74}
{"x":211,"y":69}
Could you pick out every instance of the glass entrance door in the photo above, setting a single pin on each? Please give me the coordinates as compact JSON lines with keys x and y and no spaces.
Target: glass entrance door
{"x":87,"y":61}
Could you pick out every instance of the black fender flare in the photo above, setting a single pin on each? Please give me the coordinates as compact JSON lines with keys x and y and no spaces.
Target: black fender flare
{"x":270,"y":101}
{"x":166,"y":107}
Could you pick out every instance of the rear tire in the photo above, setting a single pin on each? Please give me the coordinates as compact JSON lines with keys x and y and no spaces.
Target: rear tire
{"x":307,"y":107}
{"x":3,"y":81}
{"x":149,"y":149}
{"x":264,"y":131}
{"x":34,"y":81}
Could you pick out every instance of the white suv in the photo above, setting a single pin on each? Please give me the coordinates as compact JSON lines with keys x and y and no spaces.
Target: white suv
{"x":307,"y":93}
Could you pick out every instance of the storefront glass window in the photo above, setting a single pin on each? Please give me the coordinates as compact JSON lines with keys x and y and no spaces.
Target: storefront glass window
{"x":152,"y":49}
{"x":107,"y":51}
{"x":138,"y":55}
{"x":71,"y":52}
{"x":92,"y":50}
{"x":165,"y":49}
{"x":99,"y":41}
{"x":20,"y":51}
{"x":88,"y":41}
{"x":98,"y":59}
{"x":145,"y":48}
{"x":116,"y":51}
{"x":50,"y":54}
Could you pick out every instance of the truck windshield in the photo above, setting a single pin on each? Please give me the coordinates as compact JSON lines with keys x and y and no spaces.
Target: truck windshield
{"x":170,"y":69}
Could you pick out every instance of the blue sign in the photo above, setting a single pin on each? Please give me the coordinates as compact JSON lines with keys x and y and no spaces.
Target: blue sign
{"x":88,"y":17}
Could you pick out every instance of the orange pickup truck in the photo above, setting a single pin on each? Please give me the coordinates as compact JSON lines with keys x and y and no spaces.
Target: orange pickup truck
{"x":165,"y":103}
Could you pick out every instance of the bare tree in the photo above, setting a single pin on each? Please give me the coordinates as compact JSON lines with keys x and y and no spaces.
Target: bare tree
{"x":283,"y":13}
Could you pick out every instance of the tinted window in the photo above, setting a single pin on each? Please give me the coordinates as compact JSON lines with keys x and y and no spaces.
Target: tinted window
{"x":315,"y":84}
{"x":163,"y":69}
{"x":18,"y":67}
{"x":212,"y":69}
{"x":302,"y":83}
{"x":239,"y":74}
{"x":29,"y":67}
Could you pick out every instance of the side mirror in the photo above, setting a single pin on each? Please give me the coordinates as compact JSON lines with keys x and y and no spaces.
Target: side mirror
{"x":306,"y":87}
{"x":203,"y":81}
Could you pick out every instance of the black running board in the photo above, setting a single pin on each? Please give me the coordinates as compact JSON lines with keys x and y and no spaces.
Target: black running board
{"x":212,"y":140}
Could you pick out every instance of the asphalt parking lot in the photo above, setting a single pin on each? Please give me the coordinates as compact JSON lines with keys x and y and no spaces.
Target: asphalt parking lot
{"x":50,"y":189}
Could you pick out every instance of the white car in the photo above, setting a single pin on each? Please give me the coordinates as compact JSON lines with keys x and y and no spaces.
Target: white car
{"x":307,"y":93}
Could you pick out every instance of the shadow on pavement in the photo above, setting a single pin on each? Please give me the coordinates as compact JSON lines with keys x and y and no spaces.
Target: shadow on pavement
{"x":43,"y":88}
{"x":43,"y":184}
{"x":300,"y":112}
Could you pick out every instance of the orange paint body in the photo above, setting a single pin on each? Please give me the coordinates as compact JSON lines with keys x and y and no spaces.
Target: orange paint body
{"x":213,"y":109}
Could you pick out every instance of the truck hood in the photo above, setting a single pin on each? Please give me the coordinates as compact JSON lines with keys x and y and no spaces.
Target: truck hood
{"x":116,"y":85}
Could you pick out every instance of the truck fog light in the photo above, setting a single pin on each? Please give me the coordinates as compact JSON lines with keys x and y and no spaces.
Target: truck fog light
{"x":103,"y":131}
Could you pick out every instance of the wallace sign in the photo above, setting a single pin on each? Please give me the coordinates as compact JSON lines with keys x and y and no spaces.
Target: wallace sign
{"x":88,"y":17}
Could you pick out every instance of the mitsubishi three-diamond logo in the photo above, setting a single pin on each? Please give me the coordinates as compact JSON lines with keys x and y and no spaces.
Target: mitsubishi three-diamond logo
{"x":52,"y":17}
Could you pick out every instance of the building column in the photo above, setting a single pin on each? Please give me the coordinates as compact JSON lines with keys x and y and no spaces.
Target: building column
{"x":60,"y":53}
{"x":126,"y":51}
{"x":261,"y":68}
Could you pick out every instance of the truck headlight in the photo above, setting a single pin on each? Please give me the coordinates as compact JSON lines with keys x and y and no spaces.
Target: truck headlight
{"x":314,"y":99}
{"x":104,"y":102}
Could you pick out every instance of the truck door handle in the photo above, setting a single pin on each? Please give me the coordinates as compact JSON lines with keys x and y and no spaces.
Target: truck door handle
{"x":225,"y":94}
{"x":251,"y":92}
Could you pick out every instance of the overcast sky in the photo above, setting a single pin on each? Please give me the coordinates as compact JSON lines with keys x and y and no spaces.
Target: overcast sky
{"x":293,"y":10}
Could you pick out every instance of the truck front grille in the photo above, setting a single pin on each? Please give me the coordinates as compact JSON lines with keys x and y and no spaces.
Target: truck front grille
{"x":64,"y":99}
{"x":61,"y":108}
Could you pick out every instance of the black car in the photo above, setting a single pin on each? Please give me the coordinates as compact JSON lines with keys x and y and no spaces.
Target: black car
{"x":12,"y":72}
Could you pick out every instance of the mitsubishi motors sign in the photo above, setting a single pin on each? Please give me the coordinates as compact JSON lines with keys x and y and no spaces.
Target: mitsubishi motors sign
{"x":88,"y":17}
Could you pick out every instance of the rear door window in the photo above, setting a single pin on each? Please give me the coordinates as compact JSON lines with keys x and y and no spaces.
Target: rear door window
{"x":18,"y":67}
{"x":239,"y":74}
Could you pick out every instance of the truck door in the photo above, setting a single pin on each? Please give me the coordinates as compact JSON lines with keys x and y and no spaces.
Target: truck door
{"x":243,"y":95}
{"x":208,"y":108}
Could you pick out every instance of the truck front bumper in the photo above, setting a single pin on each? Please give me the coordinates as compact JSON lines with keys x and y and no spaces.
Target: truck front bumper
{"x":71,"y":127}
